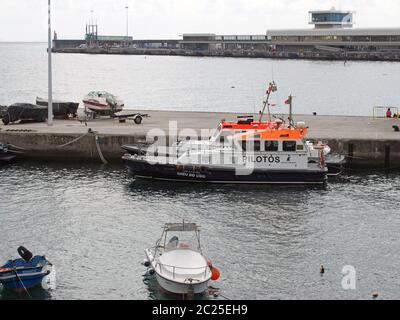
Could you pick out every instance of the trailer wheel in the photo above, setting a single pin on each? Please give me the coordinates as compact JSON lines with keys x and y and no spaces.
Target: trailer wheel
{"x":138,"y":120}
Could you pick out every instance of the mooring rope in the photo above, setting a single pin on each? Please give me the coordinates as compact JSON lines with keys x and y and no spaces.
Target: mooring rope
{"x":96,"y":138}
{"x":75,"y":140}
{"x":16,"y":147}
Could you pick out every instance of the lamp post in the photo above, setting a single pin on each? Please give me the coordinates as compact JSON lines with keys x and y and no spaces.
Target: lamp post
{"x":50,"y":84}
{"x":127,"y":22}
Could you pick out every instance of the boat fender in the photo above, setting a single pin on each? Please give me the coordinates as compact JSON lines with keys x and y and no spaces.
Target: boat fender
{"x":25,"y":253}
{"x":215,"y":274}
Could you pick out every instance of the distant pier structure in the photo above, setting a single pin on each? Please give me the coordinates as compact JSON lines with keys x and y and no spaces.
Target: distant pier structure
{"x":332,"y":37}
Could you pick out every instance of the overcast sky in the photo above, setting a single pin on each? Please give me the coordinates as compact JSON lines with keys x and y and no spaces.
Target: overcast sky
{"x":26,"y":20}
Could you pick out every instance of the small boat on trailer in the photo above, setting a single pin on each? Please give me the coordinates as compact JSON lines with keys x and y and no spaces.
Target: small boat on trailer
{"x":179,"y":264}
{"x":61,"y":109}
{"x":25,"y":273}
{"x":102,"y":103}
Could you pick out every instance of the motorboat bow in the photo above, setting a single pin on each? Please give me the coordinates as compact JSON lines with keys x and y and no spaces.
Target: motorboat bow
{"x":178,"y":263}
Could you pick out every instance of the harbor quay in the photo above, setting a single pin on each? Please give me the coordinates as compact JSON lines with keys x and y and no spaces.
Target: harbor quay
{"x":367,"y":142}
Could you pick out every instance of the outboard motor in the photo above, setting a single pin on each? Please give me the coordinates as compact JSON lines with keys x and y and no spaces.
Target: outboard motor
{"x":25,"y":253}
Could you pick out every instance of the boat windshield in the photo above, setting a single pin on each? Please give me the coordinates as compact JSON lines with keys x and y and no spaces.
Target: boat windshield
{"x":216,"y":134}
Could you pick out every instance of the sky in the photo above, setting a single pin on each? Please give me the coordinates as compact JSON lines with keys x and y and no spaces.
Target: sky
{"x":26,"y":20}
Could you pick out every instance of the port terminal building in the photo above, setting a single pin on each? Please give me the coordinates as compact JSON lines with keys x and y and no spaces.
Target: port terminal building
{"x":333,"y":30}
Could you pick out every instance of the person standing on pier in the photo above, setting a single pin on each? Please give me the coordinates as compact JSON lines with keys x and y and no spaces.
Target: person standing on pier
{"x":388,"y":113}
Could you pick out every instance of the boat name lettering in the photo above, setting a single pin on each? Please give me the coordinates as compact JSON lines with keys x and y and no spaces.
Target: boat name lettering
{"x":259,"y":159}
{"x":191,"y":175}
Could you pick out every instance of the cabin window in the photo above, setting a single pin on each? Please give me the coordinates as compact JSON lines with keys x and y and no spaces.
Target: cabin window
{"x":289,"y":145}
{"x":271,"y":145}
{"x":300,"y":147}
{"x":257,"y":145}
{"x":244,"y":145}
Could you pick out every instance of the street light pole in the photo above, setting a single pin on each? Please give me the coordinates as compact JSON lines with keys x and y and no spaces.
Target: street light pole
{"x":50,"y":78}
{"x":127,"y":22}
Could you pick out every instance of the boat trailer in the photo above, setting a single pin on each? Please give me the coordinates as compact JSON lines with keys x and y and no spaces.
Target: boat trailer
{"x":137,"y":118}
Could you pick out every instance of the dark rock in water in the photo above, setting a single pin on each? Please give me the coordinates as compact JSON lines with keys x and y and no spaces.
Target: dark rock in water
{"x":24,"y":112}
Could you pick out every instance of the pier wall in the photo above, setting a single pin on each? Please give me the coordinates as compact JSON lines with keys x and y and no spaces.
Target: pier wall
{"x":52,"y":146}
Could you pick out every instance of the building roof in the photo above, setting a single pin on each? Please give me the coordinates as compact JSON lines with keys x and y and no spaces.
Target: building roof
{"x":336,"y":32}
{"x":333,"y":10}
{"x":198,"y":35}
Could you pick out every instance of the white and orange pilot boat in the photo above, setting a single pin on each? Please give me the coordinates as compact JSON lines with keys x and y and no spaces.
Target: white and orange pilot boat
{"x":269,"y":155}
{"x":242,"y":151}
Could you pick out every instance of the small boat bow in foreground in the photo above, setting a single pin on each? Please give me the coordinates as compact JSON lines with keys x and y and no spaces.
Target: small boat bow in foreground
{"x":179,"y":264}
{"x":25,"y":273}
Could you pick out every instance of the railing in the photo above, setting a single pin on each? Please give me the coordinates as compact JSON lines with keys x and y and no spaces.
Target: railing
{"x":380,"y":112}
{"x":162,"y":267}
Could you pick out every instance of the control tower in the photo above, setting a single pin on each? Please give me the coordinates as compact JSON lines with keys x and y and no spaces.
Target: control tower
{"x":331,"y":19}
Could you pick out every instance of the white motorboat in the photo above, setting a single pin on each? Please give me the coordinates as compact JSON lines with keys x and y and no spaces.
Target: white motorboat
{"x":179,"y":264}
{"x":103,"y":103}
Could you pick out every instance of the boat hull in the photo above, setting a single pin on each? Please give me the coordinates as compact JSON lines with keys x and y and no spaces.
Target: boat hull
{"x":29,"y":279}
{"x":101,"y":108}
{"x":181,"y":288}
{"x":19,"y":275}
{"x":172,"y":172}
{"x":7,"y":157}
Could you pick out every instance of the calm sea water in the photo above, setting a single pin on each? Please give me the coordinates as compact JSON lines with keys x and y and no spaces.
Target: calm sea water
{"x":200,"y":84}
{"x":94,"y":221}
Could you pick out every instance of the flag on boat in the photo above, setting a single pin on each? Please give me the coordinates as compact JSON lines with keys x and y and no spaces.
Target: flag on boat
{"x":272,"y":87}
{"x":289,"y":100}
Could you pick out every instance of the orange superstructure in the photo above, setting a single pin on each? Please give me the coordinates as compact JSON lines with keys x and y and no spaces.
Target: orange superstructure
{"x":275,"y":134}
{"x":248,"y":125}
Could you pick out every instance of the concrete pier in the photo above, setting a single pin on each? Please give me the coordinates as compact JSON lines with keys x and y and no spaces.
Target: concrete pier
{"x":368,"y":142}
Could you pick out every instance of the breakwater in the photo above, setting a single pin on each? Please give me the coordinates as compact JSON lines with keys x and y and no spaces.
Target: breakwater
{"x":341,"y":55}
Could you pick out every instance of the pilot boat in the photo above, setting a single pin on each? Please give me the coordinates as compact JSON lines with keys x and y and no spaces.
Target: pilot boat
{"x":179,"y":264}
{"x":276,"y":155}
{"x":262,"y":152}
{"x":334,"y":162}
